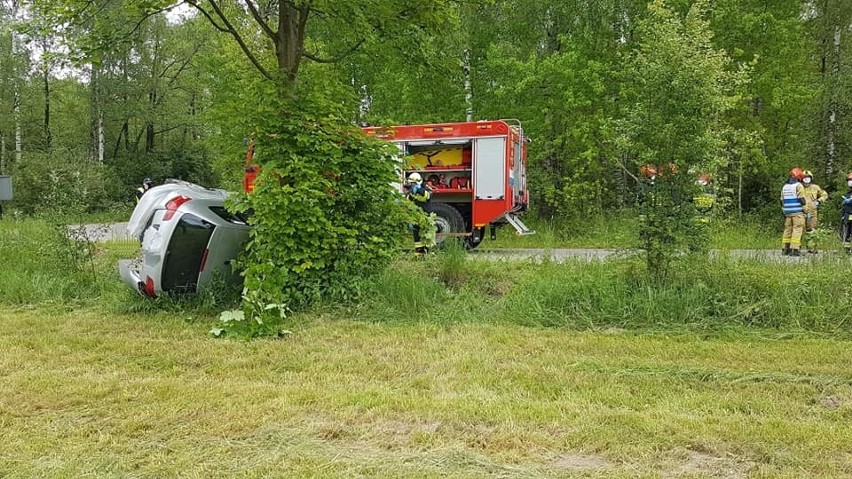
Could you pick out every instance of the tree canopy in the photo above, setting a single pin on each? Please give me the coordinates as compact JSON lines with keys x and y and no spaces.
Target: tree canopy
{"x":97,"y":94}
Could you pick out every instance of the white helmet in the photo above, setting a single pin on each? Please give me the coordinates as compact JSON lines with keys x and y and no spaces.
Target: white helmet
{"x":415,"y":178}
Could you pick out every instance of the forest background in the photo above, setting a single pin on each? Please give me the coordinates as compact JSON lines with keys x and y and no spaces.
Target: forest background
{"x":98,"y":94}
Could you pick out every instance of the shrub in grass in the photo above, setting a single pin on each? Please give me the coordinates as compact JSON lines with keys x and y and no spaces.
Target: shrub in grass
{"x":42,"y":263}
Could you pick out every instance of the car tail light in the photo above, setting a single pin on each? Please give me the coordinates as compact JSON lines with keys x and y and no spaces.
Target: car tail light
{"x":204,"y":260}
{"x":173,"y":205}
{"x":149,"y":287}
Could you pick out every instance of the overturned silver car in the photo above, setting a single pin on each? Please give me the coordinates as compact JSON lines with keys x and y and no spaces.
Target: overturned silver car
{"x":188,"y":239}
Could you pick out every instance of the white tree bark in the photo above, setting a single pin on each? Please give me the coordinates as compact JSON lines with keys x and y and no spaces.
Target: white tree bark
{"x":468,"y":89}
{"x":100,"y":135}
{"x":16,"y":101}
{"x":831,"y":158}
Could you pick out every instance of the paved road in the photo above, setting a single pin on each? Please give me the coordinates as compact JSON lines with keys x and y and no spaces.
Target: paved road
{"x":590,"y":254}
{"x":100,"y":231}
{"x":118,"y":231}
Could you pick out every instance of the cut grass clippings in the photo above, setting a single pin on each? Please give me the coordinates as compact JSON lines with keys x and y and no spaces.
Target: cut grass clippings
{"x":132,"y":396}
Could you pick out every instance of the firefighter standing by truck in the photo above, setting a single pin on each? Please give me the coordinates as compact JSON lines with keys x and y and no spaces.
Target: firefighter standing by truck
{"x":792,"y":204}
{"x":416,"y":191}
{"x":846,"y":218}
{"x":814,"y":196}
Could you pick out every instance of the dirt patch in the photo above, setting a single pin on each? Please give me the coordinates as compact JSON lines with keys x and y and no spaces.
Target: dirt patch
{"x":703,"y":464}
{"x":831,"y":402}
{"x":580,"y":462}
{"x":495,"y":289}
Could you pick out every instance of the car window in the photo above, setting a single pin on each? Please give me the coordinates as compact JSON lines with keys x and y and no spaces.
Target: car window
{"x":226,"y":215}
{"x":185,"y":254}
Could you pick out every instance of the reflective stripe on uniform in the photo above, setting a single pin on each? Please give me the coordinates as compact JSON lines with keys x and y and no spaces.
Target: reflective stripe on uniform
{"x":790,"y":195}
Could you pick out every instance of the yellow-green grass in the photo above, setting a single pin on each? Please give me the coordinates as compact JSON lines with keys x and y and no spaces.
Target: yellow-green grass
{"x":88,"y":395}
{"x":619,"y":229}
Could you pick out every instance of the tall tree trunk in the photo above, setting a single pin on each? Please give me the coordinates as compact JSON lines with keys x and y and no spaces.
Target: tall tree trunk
{"x":193,"y":113}
{"x":125,"y":127}
{"x":468,"y":89}
{"x":16,"y":100}
{"x":124,"y":132}
{"x":45,"y":70}
{"x":292,"y":20}
{"x":740,"y":189}
{"x":97,"y":123}
{"x":831,"y":156}
{"x":149,"y":124}
{"x":100,"y":136}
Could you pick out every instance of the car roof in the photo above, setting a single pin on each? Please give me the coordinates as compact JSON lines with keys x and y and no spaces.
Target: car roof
{"x":157,"y":197}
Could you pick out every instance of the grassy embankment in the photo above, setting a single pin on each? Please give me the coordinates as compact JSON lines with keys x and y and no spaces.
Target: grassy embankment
{"x":619,"y":230}
{"x":449,"y":367}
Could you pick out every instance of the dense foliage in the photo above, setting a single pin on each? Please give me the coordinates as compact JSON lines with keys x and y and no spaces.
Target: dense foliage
{"x":99,"y":94}
{"x":147,"y":90}
{"x":324,"y":211}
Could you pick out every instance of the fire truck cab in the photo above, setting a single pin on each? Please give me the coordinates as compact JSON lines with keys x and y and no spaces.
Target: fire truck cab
{"x":476,"y":170}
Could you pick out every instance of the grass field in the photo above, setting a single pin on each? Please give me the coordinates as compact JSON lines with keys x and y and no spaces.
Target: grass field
{"x":140,"y":396}
{"x":446,"y":367}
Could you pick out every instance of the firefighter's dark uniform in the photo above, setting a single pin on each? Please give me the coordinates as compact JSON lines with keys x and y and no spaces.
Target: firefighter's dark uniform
{"x":420,"y":194}
{"x":146,"y":185}
{"x":846,"y":221}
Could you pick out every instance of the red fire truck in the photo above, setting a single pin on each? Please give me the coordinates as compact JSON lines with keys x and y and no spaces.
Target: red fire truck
{"x":477,"y":172}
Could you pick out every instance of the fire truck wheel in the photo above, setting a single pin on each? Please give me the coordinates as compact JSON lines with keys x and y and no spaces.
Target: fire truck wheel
{"x":447,"y":219}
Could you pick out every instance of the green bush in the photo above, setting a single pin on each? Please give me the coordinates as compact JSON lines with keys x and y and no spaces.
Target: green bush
{"x":62,"y":183}
{"x":324,"y":213}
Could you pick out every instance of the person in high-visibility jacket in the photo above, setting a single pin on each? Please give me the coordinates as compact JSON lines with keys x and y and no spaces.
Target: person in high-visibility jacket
{"x":814,"y":196}
{"x":420,"y":194}
{"x":792,"y":204}
{"x":146,"y":185}
{"x":846,"y":218}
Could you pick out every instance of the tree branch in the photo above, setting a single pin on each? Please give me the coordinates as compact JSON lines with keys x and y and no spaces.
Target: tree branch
{"x":210,"y":19}
{"x":165,"y":130}
{"x":230,"y":29}
{"x":151,"y":14}
{"x":259,"y":19}
{"x":337,"y":58}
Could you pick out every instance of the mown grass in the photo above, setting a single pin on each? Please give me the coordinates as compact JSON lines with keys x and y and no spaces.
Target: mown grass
{"x":153,"y":396}
{"x":449,"y":366}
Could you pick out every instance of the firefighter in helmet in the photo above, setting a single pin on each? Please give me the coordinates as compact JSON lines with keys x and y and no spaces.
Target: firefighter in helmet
{"x":705,"y":198}
{"x":418,"y":192}
{"x":645,"y":184}
{"x":814,"y":196}
{"x":846,"y":219}
{"x":792,"y":204}
{"x":146,"y":185}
